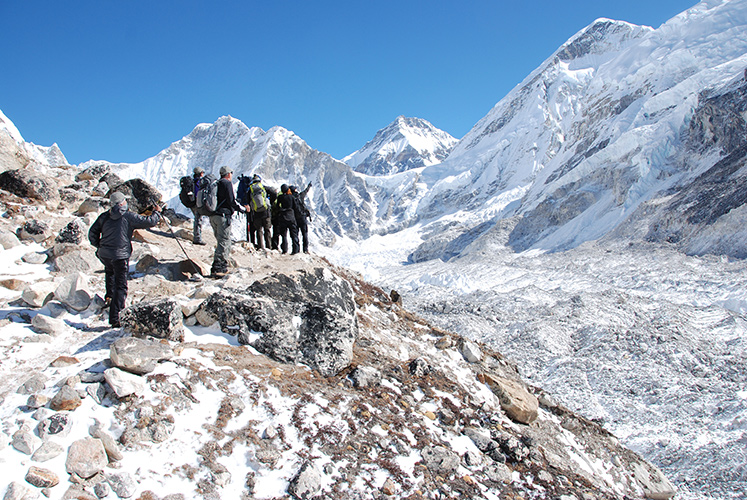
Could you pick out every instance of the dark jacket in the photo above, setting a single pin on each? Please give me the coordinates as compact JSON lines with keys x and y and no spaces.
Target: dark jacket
{"x":226,"y":199}
{"x":111,"y":234}
{"x":287,"y":206}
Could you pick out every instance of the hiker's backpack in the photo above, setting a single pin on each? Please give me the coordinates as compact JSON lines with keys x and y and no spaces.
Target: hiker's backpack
{"x":187,"y":194}
{"x":207,"y":195}
{"x":242,"y":191}
{"x":258,"y":194}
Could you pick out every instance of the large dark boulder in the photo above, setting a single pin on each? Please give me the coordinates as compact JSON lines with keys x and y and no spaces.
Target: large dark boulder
{"x":141,"y":194}
{"x":27,"y":183}
{"x":307,"y":317}
{"x":160,"y":318}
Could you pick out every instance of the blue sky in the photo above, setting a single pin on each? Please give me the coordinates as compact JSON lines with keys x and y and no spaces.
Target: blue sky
{"x":121,"y":80}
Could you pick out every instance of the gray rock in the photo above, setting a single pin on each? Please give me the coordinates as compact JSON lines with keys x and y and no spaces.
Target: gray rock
{"x":481,"y":438}
{"x":24,"y":442}
{"x":110,"y":444}
{"x":52,"y":326}
{"x":137,"y":355}
{"x":39,"y":293}
{"x":33,"y":384}
{"x":78,"y":261}
{"x":100,"y":189}
{"x":74,"y":291}
{"x":74,"y":232}
{"x":55,"y":426}
{"x":35,"y":258}
{"x":470,"y":352}
{"x":161,"y":318}
{"x":86,"y":457}
{"x":140,"y":194}
{"x":515,"y":399}
{"x":102,"y":489}
{"x":19,"y":491}
{"x":307,"y":483}
{"x":440,"y":460}
{"x":419,"y":367}
{"x":93,"y":205}
{"x":37,"y":401}
{"x":97,"y":391}
{"x":365,"y":376}
{"x":498,"y":473}
{"x":34,"y":230}
{"x":47,"y":451}
{"x":93,"y":173}
{"x":124,"y":383}
{"x":8,"y":239}
{"x":655,"y":485}
{"x":122,"y":484}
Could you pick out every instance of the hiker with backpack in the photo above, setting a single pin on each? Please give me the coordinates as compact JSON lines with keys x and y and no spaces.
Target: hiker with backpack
{"x":111,"y":234}
{"x":302,"y":215}
{"x":242,"y":196}
{"x":222,"y":204}
{"x":259,"y":202}
{"x":287,"y":220}
{"x":190,"y":185}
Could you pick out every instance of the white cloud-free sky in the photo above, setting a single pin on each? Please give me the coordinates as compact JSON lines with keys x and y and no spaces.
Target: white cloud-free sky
{"x":120,"y":81}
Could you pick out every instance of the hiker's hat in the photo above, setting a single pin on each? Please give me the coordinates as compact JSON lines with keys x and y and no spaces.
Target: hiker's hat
{"x":117,"y":197}
{"x":225,"y":170}
{"x":198,"y":170}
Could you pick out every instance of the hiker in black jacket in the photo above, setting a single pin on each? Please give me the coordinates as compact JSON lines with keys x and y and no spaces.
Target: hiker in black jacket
{"x":111,"y":234}
{"x":286,"y":204}
{"x":302,"y":215}
{"x":221,"y":222}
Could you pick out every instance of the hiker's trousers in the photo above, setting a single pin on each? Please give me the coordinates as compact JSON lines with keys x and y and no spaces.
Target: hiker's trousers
{"x":222,"y":229}
{"x":116,"y":286}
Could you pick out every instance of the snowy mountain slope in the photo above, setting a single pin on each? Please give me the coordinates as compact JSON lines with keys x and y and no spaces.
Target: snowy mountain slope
{"x":404,"y":144}
{"x":338,"y":196}
{"x":15,"y":152}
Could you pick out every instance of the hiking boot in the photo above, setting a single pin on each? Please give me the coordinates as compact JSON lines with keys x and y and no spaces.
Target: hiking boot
{"x":218,"y":274}
{"x":199,"y":243}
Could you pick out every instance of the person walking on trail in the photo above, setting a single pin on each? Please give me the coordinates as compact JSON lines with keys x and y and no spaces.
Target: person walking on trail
{"x":286,"y":204}
{"x":199,"y":173}
{"x":111,"y":234}
{"x":221,"y":222}
{"x":302,"y":215}
{"x":260,"y":205}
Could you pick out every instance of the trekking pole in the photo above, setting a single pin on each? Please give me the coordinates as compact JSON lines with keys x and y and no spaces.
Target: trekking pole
{"x":195,"y":267}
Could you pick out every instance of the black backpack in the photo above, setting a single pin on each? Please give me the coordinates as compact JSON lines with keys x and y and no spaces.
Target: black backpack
{"x":207,"y":195}
{"x":187,"y":194}
{"x":242,"y":191}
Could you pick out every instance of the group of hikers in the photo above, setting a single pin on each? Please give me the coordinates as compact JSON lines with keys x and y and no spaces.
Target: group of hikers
{"x":272,"y":218}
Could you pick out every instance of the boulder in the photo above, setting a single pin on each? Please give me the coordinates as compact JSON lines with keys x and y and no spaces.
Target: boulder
{"x":35,"y":383}
{"x":124,"y":383}
{"x":146,"y":263}
{"x":34,"y":230}
{"x":188,"y":267}
{"x":86,"y":458}
{"x":440,"y":460}
{"x":57,"y":425}
{"x":365,"y":376}
{"x":19,"y":491}
{"x":137,"y":355}
{"x":27,"y":183}
{"x":74,"y":292}
{"x":47,"y":451}
{"x":655,"y":485}
{"x":93,"y":205}
{"x":100,"y":189}
{"x":35,"y":258}
{"x":515,"y":399}
{"x":470,"y":351}
{"x":45,"y":324}
{"x":122,"y":484}
{"x":78,"y":261}
{"x":25,"y":442}
{"x":140,"y":194}
{"x":74,"y":232}
{"x":111,"y":179}
{"x":110,"y":444}
{"x":93,"y":173}
{"x":66,"y":399}
{"x":307,"y":483}
{"x":8,"y":239}
{"x":39,"y":293}
{"x":161,"y":318}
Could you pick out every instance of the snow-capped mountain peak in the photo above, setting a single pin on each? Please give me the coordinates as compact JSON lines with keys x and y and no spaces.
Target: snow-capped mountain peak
{"x":404,"y":144}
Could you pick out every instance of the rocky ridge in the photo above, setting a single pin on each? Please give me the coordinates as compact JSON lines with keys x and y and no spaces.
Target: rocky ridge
{"x":291,"y":377}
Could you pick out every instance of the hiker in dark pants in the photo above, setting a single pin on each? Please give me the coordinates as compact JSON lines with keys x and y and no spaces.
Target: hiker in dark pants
{"x":199,"y":173}
{"x":302,"y":215}
{"x":221,"y":222}
{"x":111,"y":234}
{"x":286,"y":204}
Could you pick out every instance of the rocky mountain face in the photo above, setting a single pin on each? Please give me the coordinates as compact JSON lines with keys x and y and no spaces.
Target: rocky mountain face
{"x":404,"y":144}
{"x":290,"y":377}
